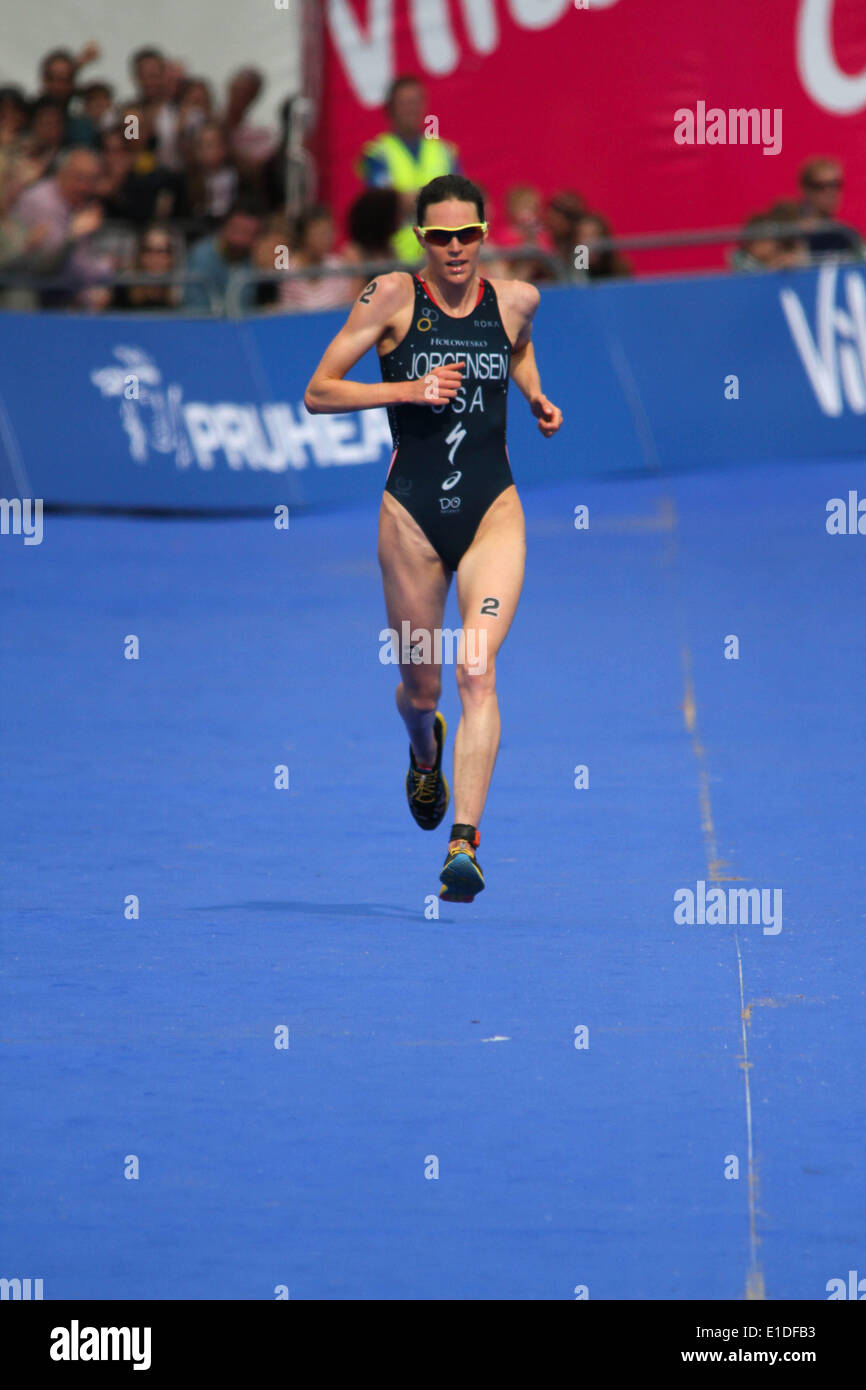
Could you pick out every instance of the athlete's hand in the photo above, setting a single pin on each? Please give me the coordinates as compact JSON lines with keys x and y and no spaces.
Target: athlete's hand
{"x":548,"y":415}
{"x":442,"y":384}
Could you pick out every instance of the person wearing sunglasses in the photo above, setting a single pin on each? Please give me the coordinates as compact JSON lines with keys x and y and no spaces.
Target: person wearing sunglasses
{"x":449,"y":341}
{"x":155,"y":256}
{"x":821,"y":185}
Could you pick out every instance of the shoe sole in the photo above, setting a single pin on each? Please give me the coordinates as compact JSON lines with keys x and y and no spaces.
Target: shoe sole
{"x":461,"y":880}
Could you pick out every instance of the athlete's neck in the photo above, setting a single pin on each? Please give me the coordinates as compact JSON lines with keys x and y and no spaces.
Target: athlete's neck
{"x":458,"y":300}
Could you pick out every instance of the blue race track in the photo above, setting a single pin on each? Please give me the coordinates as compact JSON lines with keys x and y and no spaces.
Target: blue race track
{"x":600,"y":1167}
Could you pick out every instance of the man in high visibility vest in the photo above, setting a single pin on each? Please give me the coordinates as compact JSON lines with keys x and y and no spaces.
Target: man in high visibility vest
{"x":406,"y":157}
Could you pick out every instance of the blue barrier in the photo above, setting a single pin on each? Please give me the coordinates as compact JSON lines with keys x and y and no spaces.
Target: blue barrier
{"x":142,"y":412}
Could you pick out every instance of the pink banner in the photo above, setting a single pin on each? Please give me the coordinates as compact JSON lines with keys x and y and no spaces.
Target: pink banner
{"x":664,"y":114}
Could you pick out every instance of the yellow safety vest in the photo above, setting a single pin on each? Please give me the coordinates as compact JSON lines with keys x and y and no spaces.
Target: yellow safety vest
{"x":408,"y":175}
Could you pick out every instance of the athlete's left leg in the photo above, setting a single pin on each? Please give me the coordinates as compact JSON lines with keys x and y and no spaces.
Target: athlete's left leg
{"x":489,"y":581}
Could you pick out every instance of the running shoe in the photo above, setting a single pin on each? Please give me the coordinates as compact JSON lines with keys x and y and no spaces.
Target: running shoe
{"x":461,"y":875}
{"x":426,"y":788}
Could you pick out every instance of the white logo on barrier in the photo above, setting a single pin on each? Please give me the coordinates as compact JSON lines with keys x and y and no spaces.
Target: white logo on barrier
{"x":274,"y":436}
{"x":834,"y":356}
{"x":149,"y":413}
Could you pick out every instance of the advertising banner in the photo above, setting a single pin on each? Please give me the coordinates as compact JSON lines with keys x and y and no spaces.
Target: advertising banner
{"x":654,"y":376}
{"x":663,"y":116}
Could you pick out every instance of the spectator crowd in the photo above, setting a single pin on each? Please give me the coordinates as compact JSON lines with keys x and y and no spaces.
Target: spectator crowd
{"x":168,"y":177}
{"x":767,"y":245}
{"x":105,"y":197}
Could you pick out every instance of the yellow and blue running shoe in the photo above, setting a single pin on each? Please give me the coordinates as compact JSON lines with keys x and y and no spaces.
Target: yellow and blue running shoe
{"x":461,"y":876}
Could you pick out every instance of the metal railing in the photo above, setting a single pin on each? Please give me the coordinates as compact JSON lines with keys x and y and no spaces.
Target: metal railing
{"x":75,"y":285}
{"x":244,"y":277}
{"x":719,"y":236}
{"x":236,"y":301}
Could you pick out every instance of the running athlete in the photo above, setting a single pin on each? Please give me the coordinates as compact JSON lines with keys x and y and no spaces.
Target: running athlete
{"x":448,"y":343}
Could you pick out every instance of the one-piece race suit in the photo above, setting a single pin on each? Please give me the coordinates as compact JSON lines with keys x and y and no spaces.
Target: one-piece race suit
{"x":450,"y":461}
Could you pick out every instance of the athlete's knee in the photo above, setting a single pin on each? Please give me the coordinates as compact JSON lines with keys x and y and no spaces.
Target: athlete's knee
{"x":422,"y":688}
{"x":476,"y":681}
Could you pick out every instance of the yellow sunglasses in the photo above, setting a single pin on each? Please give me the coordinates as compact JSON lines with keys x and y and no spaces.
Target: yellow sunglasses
{"x":441,"y":236}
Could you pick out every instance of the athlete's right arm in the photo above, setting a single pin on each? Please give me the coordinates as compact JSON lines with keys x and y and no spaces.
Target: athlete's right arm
{"x":371,"y":316}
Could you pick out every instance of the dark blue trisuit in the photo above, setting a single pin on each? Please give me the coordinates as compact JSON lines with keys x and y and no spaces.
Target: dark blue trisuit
{"x":450,"y":461}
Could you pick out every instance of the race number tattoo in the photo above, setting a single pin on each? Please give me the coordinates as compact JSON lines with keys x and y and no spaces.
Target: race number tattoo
{"x":366,"y":294}
{"x":490,"y":608}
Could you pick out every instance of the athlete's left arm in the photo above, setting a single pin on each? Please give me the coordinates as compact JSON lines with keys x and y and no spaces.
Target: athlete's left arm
{"x":524,"y":300}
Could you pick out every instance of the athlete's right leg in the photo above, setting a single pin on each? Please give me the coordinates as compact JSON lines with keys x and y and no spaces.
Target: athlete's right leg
{"x":416,"y":584}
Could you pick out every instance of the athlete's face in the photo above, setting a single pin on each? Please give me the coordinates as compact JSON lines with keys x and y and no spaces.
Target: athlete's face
{"x":453,"y":262}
